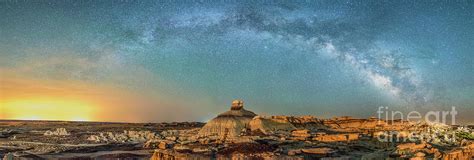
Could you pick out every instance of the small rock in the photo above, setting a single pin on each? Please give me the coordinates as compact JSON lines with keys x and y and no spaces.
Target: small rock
{"x":294,"y":152}
{"x":420,"y":154}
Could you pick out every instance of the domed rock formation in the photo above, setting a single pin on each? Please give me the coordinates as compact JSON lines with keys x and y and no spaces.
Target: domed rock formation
{"x":230,"y":123}
{"x":267,"y":125}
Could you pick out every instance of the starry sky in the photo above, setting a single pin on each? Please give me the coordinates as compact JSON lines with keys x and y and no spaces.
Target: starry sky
{"x":152,"y":61}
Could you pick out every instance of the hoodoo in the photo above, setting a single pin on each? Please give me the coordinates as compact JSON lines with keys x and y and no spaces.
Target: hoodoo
{"x":229,"y":124}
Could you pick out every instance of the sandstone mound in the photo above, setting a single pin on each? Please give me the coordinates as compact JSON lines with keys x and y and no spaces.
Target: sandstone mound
{"x":230,"y":123}
{"x":270,"y":124}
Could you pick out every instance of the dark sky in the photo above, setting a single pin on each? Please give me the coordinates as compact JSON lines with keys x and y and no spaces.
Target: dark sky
{"x":324,"y":58}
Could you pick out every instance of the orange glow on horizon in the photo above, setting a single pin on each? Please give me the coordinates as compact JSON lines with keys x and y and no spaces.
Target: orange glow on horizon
{"x":29,"y":98}
{"x":47,"y":109}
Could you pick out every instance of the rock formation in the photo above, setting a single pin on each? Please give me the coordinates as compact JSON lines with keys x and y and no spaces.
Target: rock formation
{"x":336,"y":137}
{"x":229,"y":124}
{"x":301,"y":134}
{"x":271,"y":124}
{"x":126,"y":136}
{"x":57,"y":132}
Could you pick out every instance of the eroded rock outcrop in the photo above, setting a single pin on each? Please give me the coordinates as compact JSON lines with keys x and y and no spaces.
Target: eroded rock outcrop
{"x":57,"y":132}
{"x":339,"y":137}
{"x":229,"y":124}
{"x":126,"y":136}
{"x":301,"y":134}
{"x":268,"y":125}
{"x":241,"y":134}
{"x":466,"y":152}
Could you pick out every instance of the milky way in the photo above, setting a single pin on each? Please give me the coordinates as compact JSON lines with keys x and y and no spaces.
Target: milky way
{"x":340,"y":57}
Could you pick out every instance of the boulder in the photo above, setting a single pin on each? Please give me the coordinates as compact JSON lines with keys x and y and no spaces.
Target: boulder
{"x":420,"y":154}
{"x":293,"y":152}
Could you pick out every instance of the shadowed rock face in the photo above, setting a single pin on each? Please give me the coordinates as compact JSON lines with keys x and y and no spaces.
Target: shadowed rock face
{"x":230,"y":123}
{"x":238,"y":113}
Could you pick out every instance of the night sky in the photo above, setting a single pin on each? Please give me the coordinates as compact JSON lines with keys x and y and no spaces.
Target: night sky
{"x":151,"y":61}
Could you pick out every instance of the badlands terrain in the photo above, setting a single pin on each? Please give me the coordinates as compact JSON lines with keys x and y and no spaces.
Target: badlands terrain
{"x":83,"y":140}
{"x":237,"y":133}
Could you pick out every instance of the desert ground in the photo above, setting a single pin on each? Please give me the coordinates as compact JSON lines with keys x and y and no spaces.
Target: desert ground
{"x":72,"y":140}
{"x":238,"y":134}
